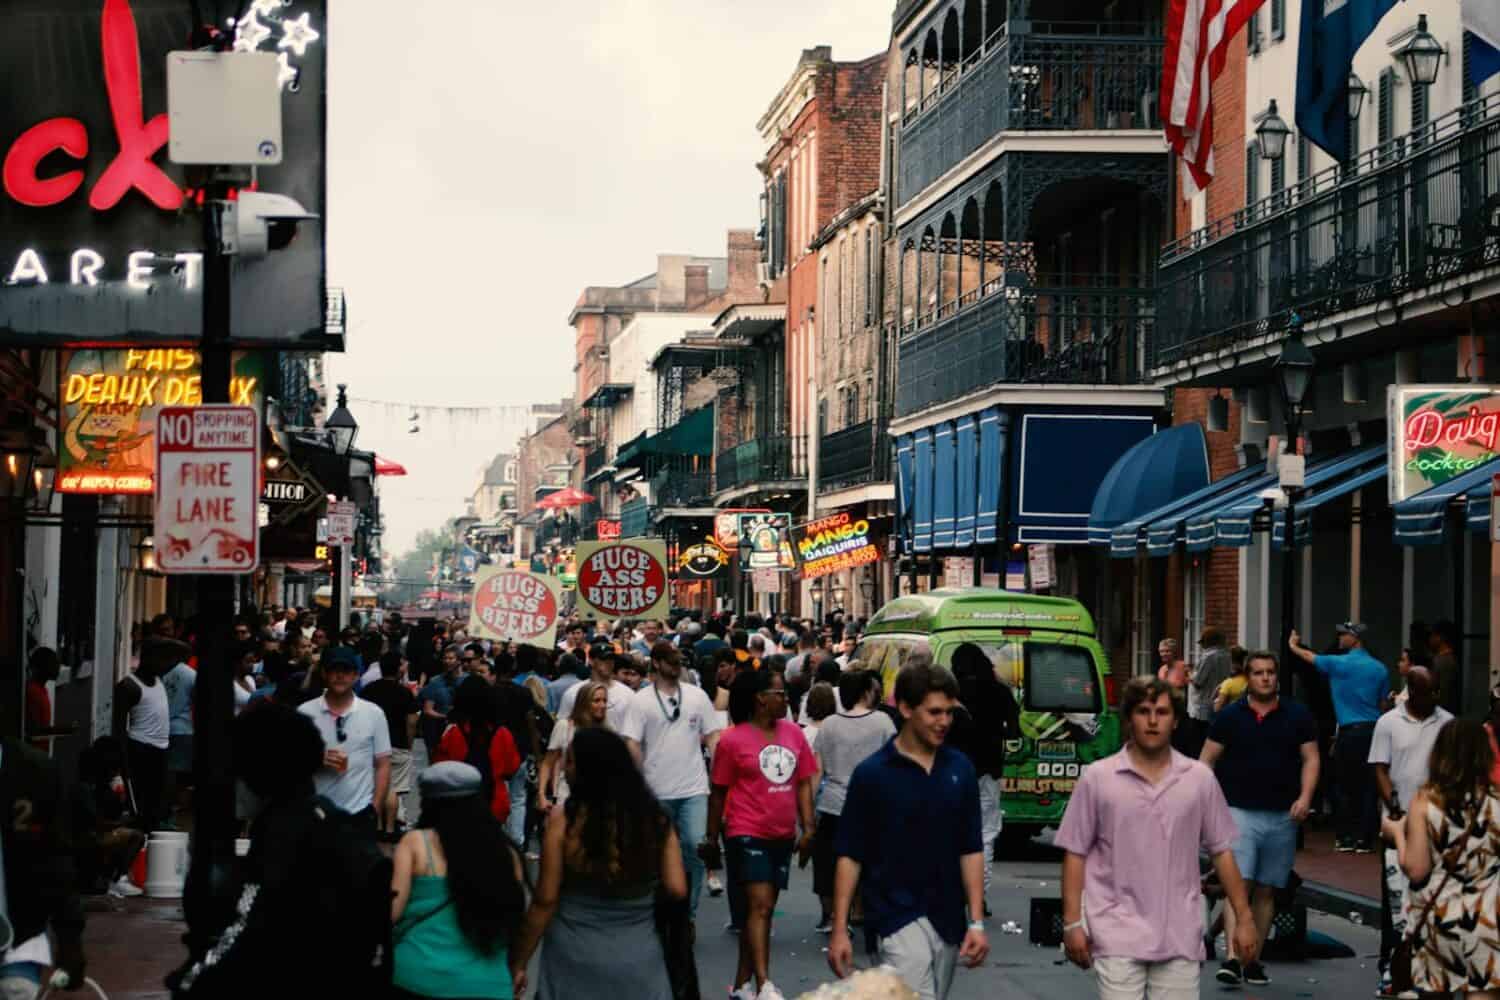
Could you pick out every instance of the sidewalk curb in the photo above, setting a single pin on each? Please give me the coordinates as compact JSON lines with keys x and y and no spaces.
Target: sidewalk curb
{"x":1337,"y":902}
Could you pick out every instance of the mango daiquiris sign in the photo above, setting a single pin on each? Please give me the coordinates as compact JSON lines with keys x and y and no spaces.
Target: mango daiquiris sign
{"x":834,"y":543}
{"x":1438,"y":432}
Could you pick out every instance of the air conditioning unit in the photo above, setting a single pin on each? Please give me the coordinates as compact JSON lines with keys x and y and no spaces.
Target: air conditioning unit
{"x":763,"y":273}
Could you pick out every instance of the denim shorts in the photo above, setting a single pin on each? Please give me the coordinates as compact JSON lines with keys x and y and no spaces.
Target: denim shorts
{"x":754,"y":860}
{"x":1266,"y":846}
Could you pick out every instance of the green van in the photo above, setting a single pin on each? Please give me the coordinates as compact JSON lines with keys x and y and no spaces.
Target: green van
{"x":1045,"y":650}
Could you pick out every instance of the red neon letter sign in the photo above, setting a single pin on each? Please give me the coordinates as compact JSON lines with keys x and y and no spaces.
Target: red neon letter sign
{"x":21,"y":181}
{"x":132,"y":167}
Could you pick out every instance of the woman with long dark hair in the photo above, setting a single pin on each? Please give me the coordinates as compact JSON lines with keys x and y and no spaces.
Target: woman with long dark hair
{"x":604,"y":855}
{"x":476,"y":737}
{"x":1447,"y":845}
{"x":459,"y":893}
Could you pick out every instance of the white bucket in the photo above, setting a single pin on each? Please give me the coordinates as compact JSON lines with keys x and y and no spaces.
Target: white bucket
{"x":166,"y":864}
{"x":241,"y":847}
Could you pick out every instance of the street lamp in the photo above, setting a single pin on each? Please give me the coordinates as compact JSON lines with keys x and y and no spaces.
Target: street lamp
{"x":819,"y":586}
{"x":1294,"y":372}
{"x":840,"y":595}
{"x":1421,"y":54}
{"x":1356,"y":92}
{"x":342,"y":425}
{"x":43,"y":480}
{"x":867,"y":587}
{"x":1271,"y":133}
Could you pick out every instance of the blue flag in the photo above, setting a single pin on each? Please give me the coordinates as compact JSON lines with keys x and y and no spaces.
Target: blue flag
{"x":1332,"y":30}
{"x":1481,"y":19}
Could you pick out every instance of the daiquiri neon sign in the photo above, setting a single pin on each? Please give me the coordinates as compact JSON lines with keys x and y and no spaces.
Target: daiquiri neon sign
{"x":1440,"y":432}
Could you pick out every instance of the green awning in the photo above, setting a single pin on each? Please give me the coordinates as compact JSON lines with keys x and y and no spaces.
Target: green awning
{"x":692,"y":435}
{"x":635,"y":518}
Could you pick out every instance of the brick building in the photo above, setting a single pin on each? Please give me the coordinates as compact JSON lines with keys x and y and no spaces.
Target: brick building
{"x":544,"y":463}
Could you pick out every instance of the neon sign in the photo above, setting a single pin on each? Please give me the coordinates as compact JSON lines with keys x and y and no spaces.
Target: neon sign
{"x":835,"y":543}
{"x":1438,"y":432}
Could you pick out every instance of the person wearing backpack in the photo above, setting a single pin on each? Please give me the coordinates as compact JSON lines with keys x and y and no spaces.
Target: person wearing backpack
{"x":314,"y":879}
{"x":476,"y":737}
{"x":459,"y":894}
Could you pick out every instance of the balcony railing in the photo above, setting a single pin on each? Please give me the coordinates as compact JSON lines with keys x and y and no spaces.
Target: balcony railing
{"x":1421,"y":211}
{"x":854,"y":455}
{"x":1045,"y":76}
{"x":682,"y":487}
{"x":1088,"y":331}
{"x":763,"y":460}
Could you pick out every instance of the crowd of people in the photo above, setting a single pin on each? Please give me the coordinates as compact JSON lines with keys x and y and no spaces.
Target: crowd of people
{"x":576,"y":801}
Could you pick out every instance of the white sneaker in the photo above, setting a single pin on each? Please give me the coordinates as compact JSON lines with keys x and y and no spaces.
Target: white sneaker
{"x":768,"y":991}
{"x":745,"y":992}
{"x":715,"y":887}
{"x":122,"y":886}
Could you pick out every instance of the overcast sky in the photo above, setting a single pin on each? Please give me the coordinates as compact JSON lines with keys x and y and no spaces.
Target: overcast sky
{"x":489,"y":159}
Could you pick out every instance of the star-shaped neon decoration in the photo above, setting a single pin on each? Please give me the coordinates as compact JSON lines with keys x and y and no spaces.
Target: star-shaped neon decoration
{"x":249,"y":33}
{"x":266,"y":8}
{"x":286,"y":72}
{"x":297,"y":34}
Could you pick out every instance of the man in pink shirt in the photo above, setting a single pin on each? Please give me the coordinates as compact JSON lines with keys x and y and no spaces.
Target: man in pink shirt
{"x":764,"y":769}
{"x":1133,"y":831}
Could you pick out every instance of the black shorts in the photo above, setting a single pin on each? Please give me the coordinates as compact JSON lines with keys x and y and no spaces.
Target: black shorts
{"x":824,"y":860}
{"x":750,"y":859}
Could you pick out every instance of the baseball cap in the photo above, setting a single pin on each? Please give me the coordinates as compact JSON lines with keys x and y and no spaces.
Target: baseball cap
{"x":452,"y":779}
{"x":1350,"y":628}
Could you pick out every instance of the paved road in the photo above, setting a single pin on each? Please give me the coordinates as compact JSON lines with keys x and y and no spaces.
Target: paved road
{"x":1016,"y":969}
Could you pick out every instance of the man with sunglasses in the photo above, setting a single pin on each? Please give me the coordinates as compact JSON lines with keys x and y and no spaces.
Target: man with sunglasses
{"x":356,"y":771}
{"x":666,"y":727}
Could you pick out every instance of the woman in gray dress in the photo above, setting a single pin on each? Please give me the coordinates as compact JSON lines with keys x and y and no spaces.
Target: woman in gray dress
{"x":603,"y":858}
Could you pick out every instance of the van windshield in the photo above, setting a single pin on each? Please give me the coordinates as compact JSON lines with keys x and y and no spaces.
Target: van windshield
{"x":1051,"y":677}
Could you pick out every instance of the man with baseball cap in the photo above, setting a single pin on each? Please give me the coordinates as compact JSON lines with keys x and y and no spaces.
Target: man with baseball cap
{"x":1359,"y":684}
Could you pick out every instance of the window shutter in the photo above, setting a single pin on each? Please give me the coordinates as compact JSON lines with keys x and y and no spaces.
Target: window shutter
{"x":1385,"y":110}
{"x":1252,"y":33}
{"x":1304,"y":158}
{"x":1278,"y":19}
{"x":1252,"y":175}
{"x":1278,"y":177}
{"x":1470,"y":91}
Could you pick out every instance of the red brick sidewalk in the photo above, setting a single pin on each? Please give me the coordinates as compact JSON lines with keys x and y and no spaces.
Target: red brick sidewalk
{"x":131,"y":945}
{"x":1357,"y":874}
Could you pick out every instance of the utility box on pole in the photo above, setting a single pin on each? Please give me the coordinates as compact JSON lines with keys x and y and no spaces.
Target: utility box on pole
{"x":224,"y":109}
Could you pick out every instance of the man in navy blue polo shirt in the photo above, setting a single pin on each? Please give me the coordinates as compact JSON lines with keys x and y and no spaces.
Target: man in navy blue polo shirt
{"x":1360,"y":685}
{"x":1266,"y":751}
{"x":910,"y":836}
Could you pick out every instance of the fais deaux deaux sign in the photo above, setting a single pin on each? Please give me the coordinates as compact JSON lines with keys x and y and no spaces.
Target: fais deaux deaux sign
{"x":1439,"y":432}
{"x":98,"y":240}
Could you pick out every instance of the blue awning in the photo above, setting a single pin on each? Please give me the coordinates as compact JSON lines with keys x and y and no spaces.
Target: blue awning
{"x":1358,"y":479}
{"x":922,"y":506}
{"x":1477,"y":516}
{"x":1420,"y":519}
{"x":1062,"y":459}
{"x":966,"y":483}
{"x":944,"y":464}
{"x":1232,"y":524}
{"x":991,"y":461}
{"x":905,"y":488}
{"x":1167,"y":465}
{"x":1126,"y":538}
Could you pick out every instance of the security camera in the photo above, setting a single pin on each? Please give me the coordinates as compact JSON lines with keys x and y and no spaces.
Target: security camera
{"x":261,"y":222}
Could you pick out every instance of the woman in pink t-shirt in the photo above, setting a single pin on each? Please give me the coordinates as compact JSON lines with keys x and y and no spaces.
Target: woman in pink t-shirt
{"x":764,"y":769}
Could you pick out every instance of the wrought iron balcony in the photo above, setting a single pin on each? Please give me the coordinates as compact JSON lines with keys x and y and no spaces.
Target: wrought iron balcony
{"x":681,"y":487}
{"x":855,"y":455}
{"x":1032,"y":76}
{"x":763,"y":460}
{"x":1085,"y":331}
{"x":1421,"y":211}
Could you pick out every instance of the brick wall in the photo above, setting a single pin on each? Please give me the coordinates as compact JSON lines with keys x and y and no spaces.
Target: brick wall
{"x":1222,"y":580}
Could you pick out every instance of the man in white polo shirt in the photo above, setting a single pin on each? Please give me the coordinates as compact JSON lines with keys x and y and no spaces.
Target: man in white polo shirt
{"x":1400,"y":750}
{"x":602,"y":664}
{"x":667,"y":726}
{"x":356,"y":768}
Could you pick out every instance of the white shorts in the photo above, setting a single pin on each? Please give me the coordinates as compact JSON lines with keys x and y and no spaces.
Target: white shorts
{"x":400,"y":771}
{"x":924,"y":961}
{"x":1131,"y":979}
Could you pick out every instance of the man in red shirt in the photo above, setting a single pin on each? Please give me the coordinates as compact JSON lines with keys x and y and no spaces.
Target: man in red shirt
{"x":42,"y":669}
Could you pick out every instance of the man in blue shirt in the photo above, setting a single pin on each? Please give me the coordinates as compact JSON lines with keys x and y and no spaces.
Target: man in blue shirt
{"x":910,"y":837}
{"x":1360,"y":685}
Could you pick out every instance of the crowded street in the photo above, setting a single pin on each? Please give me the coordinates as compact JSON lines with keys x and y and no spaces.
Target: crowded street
{"x":671,"y":499}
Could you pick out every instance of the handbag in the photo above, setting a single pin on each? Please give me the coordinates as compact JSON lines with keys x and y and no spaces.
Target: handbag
{"x":1401,"y":958}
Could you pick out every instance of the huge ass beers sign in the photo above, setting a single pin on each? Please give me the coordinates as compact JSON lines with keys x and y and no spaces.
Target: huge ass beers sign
{"x":512,"y":605}
{"x":99,"y":242}
{"x":624,"y":579}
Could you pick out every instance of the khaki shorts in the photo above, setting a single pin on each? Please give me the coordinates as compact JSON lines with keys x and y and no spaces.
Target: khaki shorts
{"x":400,"y":771}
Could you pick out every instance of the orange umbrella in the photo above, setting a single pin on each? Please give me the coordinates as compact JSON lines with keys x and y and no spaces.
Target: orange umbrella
{"x":385,"y":467}
{"x":568,"y":496}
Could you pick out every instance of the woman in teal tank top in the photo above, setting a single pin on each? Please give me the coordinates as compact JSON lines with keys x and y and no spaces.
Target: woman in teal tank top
{"x":459,"y":894}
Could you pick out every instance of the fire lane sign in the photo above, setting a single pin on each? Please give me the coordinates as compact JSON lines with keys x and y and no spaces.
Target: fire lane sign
{"x":207,"y":489}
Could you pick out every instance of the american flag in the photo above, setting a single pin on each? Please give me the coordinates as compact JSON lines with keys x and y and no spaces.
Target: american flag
{"x":1198,"y":34}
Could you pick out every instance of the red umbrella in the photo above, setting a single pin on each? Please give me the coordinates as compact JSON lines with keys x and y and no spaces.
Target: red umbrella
{"x":568,"y":496}
{"x":385,"y":467}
